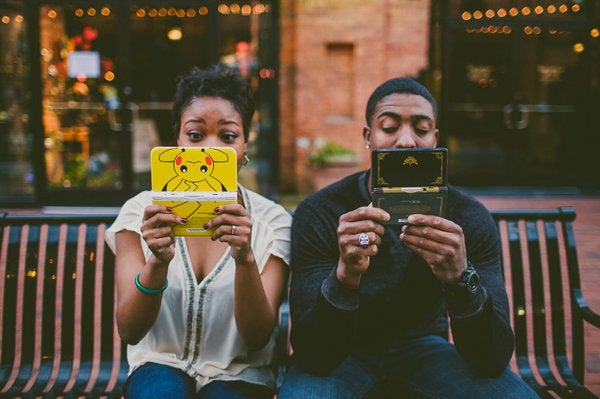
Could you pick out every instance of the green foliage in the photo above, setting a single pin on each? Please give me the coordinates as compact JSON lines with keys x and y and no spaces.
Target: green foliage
{"x":332,"y":152}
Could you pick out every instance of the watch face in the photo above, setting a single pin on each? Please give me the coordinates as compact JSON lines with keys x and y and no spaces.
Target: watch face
{"x":471,"y":279}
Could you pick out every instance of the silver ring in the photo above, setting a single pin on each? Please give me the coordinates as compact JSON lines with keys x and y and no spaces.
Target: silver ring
{"x":233,"y":229}
{"x":363,"y":240}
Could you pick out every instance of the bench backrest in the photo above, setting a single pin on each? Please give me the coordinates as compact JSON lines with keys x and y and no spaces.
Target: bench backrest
{"x":57,"y":302}
{"x":542,"y":278}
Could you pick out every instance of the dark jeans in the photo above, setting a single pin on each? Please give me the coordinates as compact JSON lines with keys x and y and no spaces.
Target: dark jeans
{"x":152,"y":381}
{"x":427,"y":367}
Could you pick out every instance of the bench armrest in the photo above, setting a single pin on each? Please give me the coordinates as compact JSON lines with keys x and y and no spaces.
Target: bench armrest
{"x":588,"y":314}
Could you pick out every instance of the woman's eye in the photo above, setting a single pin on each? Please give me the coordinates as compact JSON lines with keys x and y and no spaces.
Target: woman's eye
{"x":229,"y":137}
{"x":195,"y":135}
{"x":389,"y":129}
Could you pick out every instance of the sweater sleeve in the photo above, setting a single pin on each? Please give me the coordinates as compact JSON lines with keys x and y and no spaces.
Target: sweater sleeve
{"x":323,"y":312}
{"x":485,"y":339}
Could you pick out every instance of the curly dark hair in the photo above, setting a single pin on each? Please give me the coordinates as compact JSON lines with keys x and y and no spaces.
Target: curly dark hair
{"x":218,"y":81}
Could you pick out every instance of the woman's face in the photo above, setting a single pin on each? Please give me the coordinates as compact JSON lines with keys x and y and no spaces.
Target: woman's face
{"x":212,"y":122}
{"x":402,"y":120}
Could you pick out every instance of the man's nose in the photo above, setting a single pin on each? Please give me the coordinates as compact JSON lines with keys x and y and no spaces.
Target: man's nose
{"x":406,"y":138}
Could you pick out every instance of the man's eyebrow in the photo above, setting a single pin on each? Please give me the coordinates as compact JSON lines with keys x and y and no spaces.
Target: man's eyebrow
{"x":398,"y":116}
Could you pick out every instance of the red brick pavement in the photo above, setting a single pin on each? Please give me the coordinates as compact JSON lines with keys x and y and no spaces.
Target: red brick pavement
{"x":587,"y":233}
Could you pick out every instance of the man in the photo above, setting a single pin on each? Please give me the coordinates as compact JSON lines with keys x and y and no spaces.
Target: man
{"x":370,"y":313}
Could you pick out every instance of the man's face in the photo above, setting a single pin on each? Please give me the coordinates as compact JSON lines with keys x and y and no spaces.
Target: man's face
{"x":402,"y":121}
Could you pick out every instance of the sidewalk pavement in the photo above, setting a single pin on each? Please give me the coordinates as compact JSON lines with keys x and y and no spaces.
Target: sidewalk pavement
{"x":587,"y":235}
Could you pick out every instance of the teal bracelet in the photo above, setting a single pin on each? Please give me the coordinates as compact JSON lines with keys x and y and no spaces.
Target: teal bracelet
{"x":148,"y":290}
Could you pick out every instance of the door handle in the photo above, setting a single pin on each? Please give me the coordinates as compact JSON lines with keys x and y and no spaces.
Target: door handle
{"x":516,"y":116}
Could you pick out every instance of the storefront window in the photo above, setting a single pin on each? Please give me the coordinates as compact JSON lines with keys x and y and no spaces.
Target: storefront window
{"x":80,"y":98}
{"x":16,"y":167}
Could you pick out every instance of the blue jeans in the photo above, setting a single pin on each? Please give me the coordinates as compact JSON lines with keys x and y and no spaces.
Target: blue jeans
{"x":152,"y":381}
{"x":427,"y":367}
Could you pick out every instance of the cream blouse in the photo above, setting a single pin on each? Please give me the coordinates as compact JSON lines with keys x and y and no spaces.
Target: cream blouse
{"x":195,"y":330}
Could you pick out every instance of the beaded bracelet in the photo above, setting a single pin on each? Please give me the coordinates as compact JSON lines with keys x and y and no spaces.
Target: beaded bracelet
{"x":149,"y":291}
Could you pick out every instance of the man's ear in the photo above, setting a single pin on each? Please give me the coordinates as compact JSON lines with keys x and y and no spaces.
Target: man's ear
{"x":367,"y":136}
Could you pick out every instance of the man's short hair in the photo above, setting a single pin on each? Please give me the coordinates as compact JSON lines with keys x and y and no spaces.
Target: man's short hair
{"x":398,"y":85}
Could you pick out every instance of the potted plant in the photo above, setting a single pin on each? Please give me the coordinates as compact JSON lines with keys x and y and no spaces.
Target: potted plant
{"x":332,"y":161}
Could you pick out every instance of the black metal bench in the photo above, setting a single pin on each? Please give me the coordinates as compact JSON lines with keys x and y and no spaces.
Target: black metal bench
{"x":57,"y":304}
{"x":541,"y":271}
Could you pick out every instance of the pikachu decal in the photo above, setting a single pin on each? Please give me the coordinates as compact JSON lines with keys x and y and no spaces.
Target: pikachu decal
{"x":193,"y":181}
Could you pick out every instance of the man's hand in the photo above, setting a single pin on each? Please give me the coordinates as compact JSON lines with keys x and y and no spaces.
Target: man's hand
{"x":440,"y":242}
{"x":354,"y":249}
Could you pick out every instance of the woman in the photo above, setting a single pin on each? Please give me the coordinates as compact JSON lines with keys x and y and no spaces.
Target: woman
{"x":199,"y":313}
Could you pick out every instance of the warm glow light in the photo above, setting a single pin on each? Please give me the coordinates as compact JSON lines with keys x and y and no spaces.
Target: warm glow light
{"x":551,"y":9}
{"x":175,"y":34}
{"x":79,"y":12}
{"x":109,"y":76}
{"x":538,"y":10}
{"x":528,"y":30}
{"x":235,"y":8}
{"x":91,"y":12}
{"x":563,"y":8}
{"x":203,"y":11}
{"x":259,"y":8}
{"x":105,"y":11}
{"x":152,"y":12}
{"x":578,"y":47}
{"x":490,"y":13}
{"x":246,"y":10}
{"x":525,"y":10}
{"x":595,"y":32}
{"x":223,"y":9}
{"x":52,"y":14}
{"x":575,"y":8}
{"x":513,"y":12}
{"x":162,"y":12}
{"x":171,"y":12}
{"x":466,"y":16}
{"x":501,"y":13}
{"x":506,"y":30}
{"x":537,"y":30}
{"x":477,"y":14}
{"x":190,"y":12}
{"x":5,"y":19}
{"x":180,"y":13}
{"x":19,"y":18}
{"x":140,"y":13}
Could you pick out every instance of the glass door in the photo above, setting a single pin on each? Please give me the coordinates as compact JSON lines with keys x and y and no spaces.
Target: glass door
{"x":512,"y":78}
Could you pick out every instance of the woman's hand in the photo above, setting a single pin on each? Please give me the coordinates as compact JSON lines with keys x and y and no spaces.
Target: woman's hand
{"x":233,"y":226}
{"x":356,"y":248}
{"x":157,"y":232}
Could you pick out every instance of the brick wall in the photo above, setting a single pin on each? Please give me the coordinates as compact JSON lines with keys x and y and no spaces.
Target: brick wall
{"x":333,"y":54}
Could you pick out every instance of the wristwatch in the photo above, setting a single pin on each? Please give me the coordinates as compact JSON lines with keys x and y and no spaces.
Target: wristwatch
{"x":468,"y":285}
